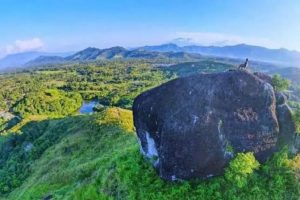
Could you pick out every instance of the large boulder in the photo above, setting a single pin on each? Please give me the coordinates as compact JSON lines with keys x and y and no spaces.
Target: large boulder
{"x":191,"y":127}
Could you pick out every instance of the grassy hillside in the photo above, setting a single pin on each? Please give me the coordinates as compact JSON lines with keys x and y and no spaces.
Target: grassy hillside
{"x":54,"y":152}
{"x":97,"y":157}
{"x":57,"y":155}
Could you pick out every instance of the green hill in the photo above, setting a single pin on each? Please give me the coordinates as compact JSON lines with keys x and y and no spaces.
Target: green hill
{"x":65,"y":157}
{"x":59,"y":154}
{"x":97,"y":157}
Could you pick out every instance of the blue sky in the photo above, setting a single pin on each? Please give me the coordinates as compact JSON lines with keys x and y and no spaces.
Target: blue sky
{"x":70,"y":25}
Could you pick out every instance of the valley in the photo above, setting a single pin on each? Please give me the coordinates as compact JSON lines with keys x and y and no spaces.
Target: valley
{"x":51,"y":149}
{"x":149,"y":100}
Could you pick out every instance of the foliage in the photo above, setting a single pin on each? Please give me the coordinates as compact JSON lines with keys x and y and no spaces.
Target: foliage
{"x":15,"y":165}
{"x":295,"y":162}
{"x":229,"y":148}
{"x":49,"y":102}
{"x":3,"y":124}
{"x":117,"y":116}
{"x":280,"y":84}
{"x":15,"y":86}
{"x":96,"y":157}
{"x":240,"y":168}
{"x":295,"y":105}
{"x":113,"y":83}
{"x":7,"y":123}
{"x":296,"y":119}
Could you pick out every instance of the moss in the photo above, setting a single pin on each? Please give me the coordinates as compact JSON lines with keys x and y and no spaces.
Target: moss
{"x":229,"y":148}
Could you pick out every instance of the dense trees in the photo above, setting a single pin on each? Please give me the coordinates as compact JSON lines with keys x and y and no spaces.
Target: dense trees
{"x":279,"y":83}
{"x":2,"y":124}
{"x":112,"y":83}
{"x":49,"y":102}
{"x":97,"y":156}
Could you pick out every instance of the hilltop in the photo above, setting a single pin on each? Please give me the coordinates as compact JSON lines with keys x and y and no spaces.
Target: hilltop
{"x":113,"y":53}
{"x":97,"y":157}
{"x":54,"y":152}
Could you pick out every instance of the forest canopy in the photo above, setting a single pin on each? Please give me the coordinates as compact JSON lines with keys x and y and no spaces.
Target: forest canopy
{"x":50,"y":102}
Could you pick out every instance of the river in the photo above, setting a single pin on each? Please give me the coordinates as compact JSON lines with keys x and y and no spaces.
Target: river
{"x":87,"y":107}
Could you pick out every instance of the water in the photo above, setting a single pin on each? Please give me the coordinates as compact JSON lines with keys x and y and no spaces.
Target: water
{"x":87,"y":107}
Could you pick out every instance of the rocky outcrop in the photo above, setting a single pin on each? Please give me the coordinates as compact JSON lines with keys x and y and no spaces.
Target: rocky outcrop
{"x":286,"y":124}
{"x":263,"y":77}
{"x":191,"y":127}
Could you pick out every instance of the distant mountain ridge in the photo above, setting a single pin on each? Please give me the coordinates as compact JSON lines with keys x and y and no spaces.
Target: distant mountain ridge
{"x":93,"y":54}
{"x":20,"y":59}
{"x":169,"y":47}
{"x":42,"y":60}
{"x":164,"y":51}
{"x":236,"y":51}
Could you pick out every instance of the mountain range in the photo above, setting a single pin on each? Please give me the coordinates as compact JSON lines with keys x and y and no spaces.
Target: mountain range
{"x":93,"y":54}
{"x":258,"y":53}
{"x":164,"y":51}
{"x":20,"y":59}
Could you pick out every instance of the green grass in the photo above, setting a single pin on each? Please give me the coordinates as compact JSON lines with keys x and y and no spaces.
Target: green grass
{"x":90,"y":157}
{"x":97,"y":156}
{"x":74,"y":163}
{"x":65,"y":148}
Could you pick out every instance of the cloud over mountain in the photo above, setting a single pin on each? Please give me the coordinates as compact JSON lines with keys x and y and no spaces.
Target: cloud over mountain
{"x":20,"y":46}
{"x":217,"y":39}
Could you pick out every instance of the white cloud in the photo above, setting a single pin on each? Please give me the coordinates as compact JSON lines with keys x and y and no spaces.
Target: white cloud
{"x":20,"y":46}
{"x":220,"y":39}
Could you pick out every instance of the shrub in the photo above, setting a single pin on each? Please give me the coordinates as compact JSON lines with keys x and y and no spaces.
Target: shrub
{"x":295,"y":163}
{"x":296,"y":120}
{"x":125,"y":102}
{"x":2,"y":124}
{"x":279,"y":83}
{"x":240,"y":168}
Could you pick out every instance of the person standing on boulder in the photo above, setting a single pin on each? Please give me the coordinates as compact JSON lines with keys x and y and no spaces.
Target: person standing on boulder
{"x":244,"y":65}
